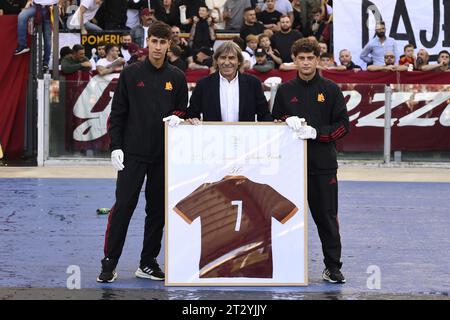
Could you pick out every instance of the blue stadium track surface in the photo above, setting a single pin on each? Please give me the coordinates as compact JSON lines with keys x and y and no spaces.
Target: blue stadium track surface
{"x":46,"y":225}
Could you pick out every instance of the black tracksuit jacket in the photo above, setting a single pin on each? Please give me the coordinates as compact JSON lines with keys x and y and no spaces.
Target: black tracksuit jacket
{"x":321,"y":103}
{"x":143,"y":97}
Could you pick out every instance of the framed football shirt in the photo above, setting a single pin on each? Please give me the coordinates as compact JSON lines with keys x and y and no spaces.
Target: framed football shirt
{"x":235,"y":205}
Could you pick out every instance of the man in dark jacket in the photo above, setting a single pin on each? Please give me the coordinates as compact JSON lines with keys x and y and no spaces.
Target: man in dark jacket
{"x":147,"y":94}
{"x":76,"y":61}
{"x":320,"y":102}
{"x":228,"y":95}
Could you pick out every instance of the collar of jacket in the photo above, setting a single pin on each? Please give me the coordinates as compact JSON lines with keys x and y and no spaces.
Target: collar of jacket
{"x":315,"y":79}
{"x":153,"y":68}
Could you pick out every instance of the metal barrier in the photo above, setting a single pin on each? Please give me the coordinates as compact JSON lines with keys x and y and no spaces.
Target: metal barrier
{"x":73,"y":114}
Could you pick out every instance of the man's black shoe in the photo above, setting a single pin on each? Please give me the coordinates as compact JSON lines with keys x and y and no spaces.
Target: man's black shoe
{"x":152,"y":271}
{"x":108,"y":273}
{"x":333,"y":276}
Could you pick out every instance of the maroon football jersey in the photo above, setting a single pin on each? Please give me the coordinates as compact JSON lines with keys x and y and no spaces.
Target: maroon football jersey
{"x":236,"y":225}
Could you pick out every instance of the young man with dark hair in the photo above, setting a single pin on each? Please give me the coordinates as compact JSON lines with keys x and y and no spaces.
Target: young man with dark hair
{"x":444,"y":60}
{"x":148,"y":93}
{"x":270,"y":17}
{"x":283,"y":40}
{"x":320,"y":103}
{"x":251,"y":25}
{"x":75,"y":61}
{"x":112,"y":62}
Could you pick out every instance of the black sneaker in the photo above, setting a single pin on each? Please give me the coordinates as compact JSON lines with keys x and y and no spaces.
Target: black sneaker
{"x":333,"y":276}
{"x":21,"y":50}
{"x":45,"y":68}
{"x":153,"y":271}
{"x":108,"y":273}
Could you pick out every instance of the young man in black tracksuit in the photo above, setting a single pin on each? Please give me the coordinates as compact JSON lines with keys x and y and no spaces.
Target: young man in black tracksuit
{"x":147,"y":94}
{"x":320,"y":102}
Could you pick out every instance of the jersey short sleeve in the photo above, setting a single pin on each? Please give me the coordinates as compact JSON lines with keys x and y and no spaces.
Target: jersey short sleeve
{"x":189,"y":208}
{"x":276,"y":205}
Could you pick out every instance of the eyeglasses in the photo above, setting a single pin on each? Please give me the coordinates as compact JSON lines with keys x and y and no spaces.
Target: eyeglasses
{"x":389,"y":56}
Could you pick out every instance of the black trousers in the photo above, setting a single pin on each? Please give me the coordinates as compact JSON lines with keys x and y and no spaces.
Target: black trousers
{"x":323,"y":203}
{"x":128,"y":187}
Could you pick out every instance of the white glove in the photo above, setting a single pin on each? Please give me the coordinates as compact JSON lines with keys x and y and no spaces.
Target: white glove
{"x":295,"y":123}
{"x":306,"y":132}
{"x":173,"y":120}
{"x":117,"y":159}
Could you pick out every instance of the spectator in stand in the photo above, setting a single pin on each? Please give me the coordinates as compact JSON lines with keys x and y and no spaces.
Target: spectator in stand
{"x":77,"y":61}
{"x":100,"y":53}
{"x":203,"y":59}
{"x":64,"y":52}
{"x":240,"y":42}
{"x":317,"y":24}
{"x":124,"y":50}
{"x":297,"y":24}
{"x":422,"y":61}
{"x":271,"y":54}
{"x":251,"y":25}
{"x":282,"y":6}
{"x":174,"y":57}
{"x":42,"y":7}
{"x":408,"y":59}
{"x":374,"y":51}
{"x":139,"y":33}
{"x":389,"y":64}
{"x":202,"y":31}
{"x":181,"y":42}
{"x":284,"y":39}
{"x":345,"y":58}
{"x":112,"y":63}
{"x":167,"y":11}
{"x":134,"y":52}
{"x":233,"y":13}
{"x":323,"y":47}
{"x":262,"y":63}
{"x":307,"y":6}
{"x":114,"y":14}
{"x":133,"y":12}
{"x":86,"y":12}
{"x":249,"y":53}
{"x":443,"y":61}
{"x":188,"y":10}
{"x":270,"y":17}
{"x":327,"y":12}
{"x":142,"y":54}
{"x":326,"y":62}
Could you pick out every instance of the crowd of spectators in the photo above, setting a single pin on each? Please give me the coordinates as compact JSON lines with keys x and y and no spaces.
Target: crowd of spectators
{"x":264,"y":29}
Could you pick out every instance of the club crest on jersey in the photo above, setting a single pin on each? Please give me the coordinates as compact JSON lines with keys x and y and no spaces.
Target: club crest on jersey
{"x":168,"y":86}
{"x":320,"y":97}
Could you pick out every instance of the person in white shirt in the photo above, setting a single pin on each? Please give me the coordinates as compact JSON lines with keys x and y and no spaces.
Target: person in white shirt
{"x":228,"y":95}
{"x":22,"y":26}
{"x":112,"y":63}
{"x":126,"y":41}
{"x":87,"y":11}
